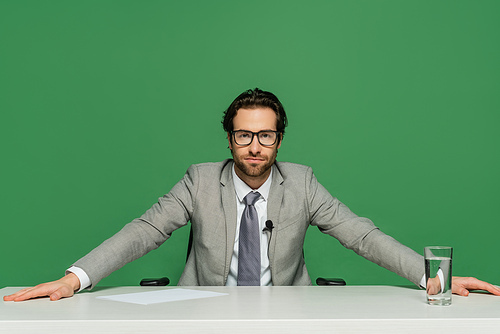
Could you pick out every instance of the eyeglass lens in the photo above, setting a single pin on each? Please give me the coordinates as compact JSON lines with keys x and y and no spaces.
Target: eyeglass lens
{"x":266,"y":138}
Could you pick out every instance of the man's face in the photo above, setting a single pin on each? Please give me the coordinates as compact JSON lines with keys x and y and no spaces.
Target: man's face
{"x":253,"y":162}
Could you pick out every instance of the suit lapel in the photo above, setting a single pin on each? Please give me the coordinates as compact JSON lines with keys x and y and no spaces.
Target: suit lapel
{"x":273,"y":212}
{"x":229,"y":206}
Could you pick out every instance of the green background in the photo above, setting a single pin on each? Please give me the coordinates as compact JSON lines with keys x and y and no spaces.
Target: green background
{"x":105,"y":104}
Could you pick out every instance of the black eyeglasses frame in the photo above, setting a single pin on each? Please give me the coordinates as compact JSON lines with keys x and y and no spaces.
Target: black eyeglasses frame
{"x":233,"y":134}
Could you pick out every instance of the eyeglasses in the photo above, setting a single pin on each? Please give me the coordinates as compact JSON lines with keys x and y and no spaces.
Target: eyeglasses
{"x":244,"y":137}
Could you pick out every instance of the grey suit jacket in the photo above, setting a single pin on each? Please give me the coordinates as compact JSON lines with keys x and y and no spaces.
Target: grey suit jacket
{"x":206,"y":197}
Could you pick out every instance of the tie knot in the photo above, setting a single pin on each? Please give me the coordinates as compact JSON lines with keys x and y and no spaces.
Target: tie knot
{"x":251,"y":198}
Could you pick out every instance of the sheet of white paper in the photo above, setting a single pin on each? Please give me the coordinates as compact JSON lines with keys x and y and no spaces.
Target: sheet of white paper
{"x":161,"y":296}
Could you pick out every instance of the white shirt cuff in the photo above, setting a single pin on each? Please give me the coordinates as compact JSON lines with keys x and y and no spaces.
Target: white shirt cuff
{"x":423,"y":283}
{"x":82,"y":276}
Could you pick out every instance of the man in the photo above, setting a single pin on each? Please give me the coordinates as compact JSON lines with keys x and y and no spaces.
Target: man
{"x":249,"y":217}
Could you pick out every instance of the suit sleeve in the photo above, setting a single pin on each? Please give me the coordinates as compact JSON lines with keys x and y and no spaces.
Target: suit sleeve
{"x":143,"y":234}
{"x":360,"y":234}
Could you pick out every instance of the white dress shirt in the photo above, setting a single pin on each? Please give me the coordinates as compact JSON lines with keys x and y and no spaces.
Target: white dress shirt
{"x":242,"y":189}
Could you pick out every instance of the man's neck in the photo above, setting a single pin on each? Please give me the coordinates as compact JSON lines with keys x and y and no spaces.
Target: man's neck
{"x":254,"y":182}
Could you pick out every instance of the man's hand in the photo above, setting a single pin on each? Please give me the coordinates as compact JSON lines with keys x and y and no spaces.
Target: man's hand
{"x":64,"y":287}
{"x":461,"y":286}
{"x":433,"y":286}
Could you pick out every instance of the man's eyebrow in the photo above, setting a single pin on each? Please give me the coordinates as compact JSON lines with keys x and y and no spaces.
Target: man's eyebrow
{"x":255,"y":131}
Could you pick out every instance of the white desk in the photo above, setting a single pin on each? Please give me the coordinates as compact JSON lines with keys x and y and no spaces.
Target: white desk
{"x":352,"y":309}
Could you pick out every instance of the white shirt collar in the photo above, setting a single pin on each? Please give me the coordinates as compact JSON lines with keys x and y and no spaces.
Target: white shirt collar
{"x":242,"y":189}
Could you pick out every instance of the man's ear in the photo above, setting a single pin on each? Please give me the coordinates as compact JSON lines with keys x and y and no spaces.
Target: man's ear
{"x":280,"y":140}
{"x":229,"y":140}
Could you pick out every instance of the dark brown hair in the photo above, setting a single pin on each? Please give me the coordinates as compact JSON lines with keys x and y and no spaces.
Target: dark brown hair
{"x":254,"y":98}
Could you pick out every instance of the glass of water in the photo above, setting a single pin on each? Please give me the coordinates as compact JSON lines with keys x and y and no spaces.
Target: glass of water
{"x":438,"y":274}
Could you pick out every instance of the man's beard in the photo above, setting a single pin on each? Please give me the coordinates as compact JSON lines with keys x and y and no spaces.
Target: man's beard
{"x":254,"y":171}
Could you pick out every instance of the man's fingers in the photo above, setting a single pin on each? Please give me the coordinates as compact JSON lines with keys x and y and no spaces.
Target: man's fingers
{"x":34,"y":292}
{"x":491,"y":288}
{"x":62,"y":292}
{"x":459,"y":290}
{"x":21,"y":295}
{"x":475,"y":284}
{"x":55,"y":296}
{"x":462,"y":285}
{"x":16,"y":294}
{"x":55,"y":290}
